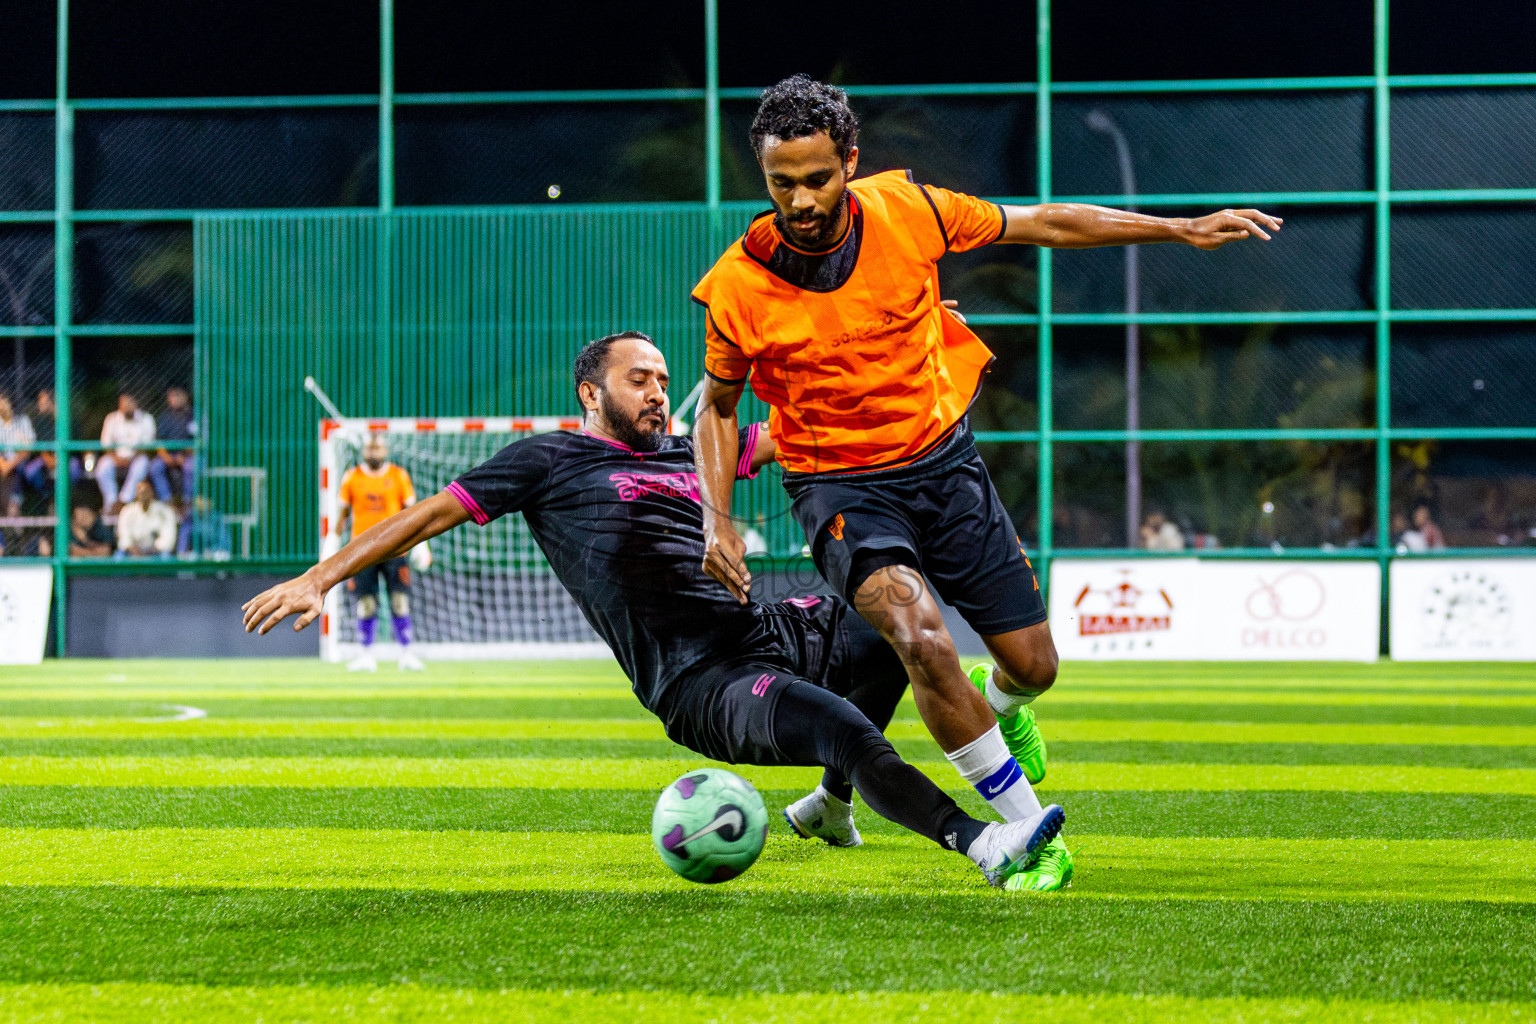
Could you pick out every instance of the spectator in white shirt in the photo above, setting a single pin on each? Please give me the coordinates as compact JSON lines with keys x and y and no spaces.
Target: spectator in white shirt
{"x":1158,"y":534}
{"x":123,"y":434}
{"x":16,"y":440}
{"x":146,"y":527}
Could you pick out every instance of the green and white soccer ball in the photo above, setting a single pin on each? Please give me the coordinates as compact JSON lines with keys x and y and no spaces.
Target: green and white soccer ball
{"x":709,"y":825}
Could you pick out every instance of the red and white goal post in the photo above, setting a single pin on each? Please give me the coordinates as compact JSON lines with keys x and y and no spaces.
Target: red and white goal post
{"x":488,"y":594}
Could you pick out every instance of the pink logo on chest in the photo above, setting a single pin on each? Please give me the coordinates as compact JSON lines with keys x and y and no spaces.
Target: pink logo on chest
{"x":633,"y":486}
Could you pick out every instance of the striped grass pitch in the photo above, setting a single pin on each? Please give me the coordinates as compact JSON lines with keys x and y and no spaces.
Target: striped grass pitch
{"x":1254,"y":843}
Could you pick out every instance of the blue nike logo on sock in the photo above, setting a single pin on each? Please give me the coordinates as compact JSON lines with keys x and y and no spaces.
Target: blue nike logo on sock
{"x":1005,"y":776}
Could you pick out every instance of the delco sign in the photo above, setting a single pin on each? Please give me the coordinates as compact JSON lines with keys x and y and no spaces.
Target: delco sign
{"x":1185,"y":609}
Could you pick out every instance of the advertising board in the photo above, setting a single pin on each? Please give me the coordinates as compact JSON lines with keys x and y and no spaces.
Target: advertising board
{"x":1187,"y":609}
{"x":1463,"y":609}
{"x":26,"y":593}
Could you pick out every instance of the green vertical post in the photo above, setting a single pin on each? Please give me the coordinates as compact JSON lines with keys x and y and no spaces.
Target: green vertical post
{"x":1043,"y":178}
{"x":384,"y":311}
{"x":63,"y":287}
{"x":1383,"y":305}
{"x":712,"y":106}
{"x":386,"y":105}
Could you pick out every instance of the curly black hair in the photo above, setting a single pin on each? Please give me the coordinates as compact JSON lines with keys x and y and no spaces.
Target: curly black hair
{"x":592,"y":360}
{"x":800,"y":106}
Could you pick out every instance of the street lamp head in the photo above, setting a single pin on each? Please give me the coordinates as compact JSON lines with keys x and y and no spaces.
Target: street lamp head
{"x":1097,"y":120}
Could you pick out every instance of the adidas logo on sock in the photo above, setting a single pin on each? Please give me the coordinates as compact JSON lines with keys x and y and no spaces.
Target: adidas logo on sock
{"x":953,"y":839}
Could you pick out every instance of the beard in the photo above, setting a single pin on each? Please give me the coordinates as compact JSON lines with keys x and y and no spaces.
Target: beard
{"x":823,"y":226}
{"x":627,"y":429}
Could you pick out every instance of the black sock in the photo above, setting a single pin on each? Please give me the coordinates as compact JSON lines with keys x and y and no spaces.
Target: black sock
{"x":833,"y":782}
{"x":961,"y":830}
{"x":812,"y":726}
{"x":894,"y":789}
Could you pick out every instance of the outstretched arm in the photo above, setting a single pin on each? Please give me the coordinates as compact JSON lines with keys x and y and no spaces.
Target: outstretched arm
{"x":1079,"y":226}
{"x":305,"y":595}
{"x":716,"y":455}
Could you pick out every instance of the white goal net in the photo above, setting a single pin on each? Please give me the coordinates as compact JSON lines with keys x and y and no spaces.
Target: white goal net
{"x":489,"y":592}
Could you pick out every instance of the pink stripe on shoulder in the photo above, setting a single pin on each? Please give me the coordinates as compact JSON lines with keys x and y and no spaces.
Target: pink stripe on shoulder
{"x":470,"y":504}
{"x":744,"y":470}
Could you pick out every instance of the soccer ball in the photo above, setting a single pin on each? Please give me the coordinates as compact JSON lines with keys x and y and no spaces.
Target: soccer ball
{"x":709,"y":825}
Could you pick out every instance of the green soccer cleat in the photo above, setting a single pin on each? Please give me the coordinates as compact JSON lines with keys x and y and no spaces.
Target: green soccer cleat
{"x":1052,"y":871}
{"x":1019,"y":731}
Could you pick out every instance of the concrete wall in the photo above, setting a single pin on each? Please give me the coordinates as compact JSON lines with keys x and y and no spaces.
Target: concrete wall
{"x":199,"y":617}
{"x":171,"y":617}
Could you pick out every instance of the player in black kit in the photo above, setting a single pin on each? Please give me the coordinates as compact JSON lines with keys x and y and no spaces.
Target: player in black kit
{"x":615,"y":509}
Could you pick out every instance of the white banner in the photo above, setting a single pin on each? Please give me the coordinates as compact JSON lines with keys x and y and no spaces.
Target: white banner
{"x":1137,"y":608}
{"x":1464,"y":609}
{"x":25,"y":597}
{"x":1186,"y":609}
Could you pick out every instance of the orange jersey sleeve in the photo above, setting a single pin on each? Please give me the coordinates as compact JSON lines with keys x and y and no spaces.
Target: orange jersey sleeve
{"x":403,"y":482}
{"x":723,"y":358}
{"x":969,"y":223}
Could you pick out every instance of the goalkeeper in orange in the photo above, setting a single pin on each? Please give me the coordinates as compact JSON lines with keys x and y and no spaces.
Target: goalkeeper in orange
{"x":830,"y":306}
{"x":370,"y":493}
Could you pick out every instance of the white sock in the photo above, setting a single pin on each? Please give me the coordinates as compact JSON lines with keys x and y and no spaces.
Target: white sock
{"x":1003,"y":703}
{"x":986,"y":764}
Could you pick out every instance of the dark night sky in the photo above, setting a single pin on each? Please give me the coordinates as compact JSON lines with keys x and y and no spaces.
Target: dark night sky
{"x":194,"y":48}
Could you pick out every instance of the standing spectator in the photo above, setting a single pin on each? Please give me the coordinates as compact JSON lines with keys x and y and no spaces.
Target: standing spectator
{"x":1424,"y":523}
{"x":1158,"y":534}
{"x":176,"y":423}
{"x":146,"y":527}
{"x":16,"y":440}
{"x":123,"y":433}
{"x":89,"y":537}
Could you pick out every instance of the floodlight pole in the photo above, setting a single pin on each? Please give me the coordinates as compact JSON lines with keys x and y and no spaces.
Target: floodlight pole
{"x":1100,"y":121}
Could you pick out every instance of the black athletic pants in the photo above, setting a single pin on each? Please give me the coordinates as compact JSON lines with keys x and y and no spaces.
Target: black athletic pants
{"x":748,"y":712}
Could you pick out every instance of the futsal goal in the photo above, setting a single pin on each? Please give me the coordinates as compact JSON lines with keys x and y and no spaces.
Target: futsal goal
{"x":489,"y":593}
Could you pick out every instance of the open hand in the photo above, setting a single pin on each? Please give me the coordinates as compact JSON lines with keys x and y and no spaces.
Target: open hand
{"x":954,"y":308}
{"x":1217,"y":229}
{"x":725,"y":560}
{"x":301,"y":596}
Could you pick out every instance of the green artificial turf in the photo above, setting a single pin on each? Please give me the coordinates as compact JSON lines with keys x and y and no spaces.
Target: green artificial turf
{"x":1254,"y":843}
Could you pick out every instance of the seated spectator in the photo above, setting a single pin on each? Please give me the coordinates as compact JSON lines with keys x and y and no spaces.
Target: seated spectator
{"x":206,"y":532}
{"x":37,"y":469}
{"x":176,"y":423}
{"x":1158,"y":534}
{"x":1428,"y":529}
{"x":89,"y":537}
{"x":123,"y":433}
{"x":146,"y":527}
{"x":16,"y":441}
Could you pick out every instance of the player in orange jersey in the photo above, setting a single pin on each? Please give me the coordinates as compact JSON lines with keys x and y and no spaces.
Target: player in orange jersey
{"x":830,"y":305}
{"x":370,"y":494}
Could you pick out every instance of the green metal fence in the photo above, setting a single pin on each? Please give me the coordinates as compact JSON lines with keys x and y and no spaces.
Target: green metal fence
{"x":400,"y":247}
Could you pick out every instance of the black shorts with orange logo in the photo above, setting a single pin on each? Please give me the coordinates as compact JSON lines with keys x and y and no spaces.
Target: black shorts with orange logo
{"x":940,"y":516}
